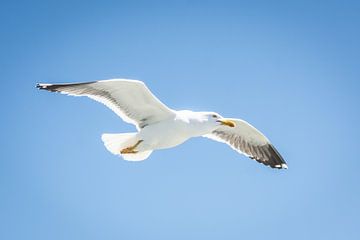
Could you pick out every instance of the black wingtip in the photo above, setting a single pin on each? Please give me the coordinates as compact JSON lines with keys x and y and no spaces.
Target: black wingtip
{"x":40,"y":86}
{"x":280,"y":166}
{"x":46,"y":86}
{"x":277,"y":160}
{"x":273,"y":159}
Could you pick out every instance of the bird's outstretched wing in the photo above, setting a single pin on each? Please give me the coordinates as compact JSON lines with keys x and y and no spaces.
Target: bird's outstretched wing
{"x":249,"y":141}
{"x":129,"y":99}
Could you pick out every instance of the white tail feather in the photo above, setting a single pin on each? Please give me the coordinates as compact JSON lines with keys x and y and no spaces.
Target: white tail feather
{"x":140,"y":156}
{"x":116,"y":142}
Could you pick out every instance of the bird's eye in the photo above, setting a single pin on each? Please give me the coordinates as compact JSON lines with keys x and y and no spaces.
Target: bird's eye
{"x":214,"y":116}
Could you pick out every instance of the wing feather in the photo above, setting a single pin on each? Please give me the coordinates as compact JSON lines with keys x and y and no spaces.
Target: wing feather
{"x":129,"y":99}
{"x":249,"y":141}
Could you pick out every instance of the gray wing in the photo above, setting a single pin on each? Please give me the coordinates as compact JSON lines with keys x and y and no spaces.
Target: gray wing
{"x":129,"y":99}
{"x":249,"y":141}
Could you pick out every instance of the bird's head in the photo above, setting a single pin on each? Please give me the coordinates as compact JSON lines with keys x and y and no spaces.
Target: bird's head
{"x":217,"y":120}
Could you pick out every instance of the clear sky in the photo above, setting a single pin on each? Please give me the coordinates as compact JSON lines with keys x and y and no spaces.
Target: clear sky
{"x":291,"y":68}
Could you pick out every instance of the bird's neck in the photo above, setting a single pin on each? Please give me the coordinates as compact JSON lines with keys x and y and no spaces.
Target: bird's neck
{"x":195,"y":122}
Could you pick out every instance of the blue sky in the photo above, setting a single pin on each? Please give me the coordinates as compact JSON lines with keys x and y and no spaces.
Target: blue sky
{"x":291,"y":68}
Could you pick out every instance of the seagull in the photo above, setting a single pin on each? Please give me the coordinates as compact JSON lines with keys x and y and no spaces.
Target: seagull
{"x":160,"y":127}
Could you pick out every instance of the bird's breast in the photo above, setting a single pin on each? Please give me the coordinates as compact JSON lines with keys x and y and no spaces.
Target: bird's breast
{"x":167,"y":134}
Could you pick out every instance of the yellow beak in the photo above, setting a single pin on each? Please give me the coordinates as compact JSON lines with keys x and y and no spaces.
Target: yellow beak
{"x":226,"y":122}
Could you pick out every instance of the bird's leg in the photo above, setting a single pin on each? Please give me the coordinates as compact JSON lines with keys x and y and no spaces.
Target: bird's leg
{"x":130,"y":150}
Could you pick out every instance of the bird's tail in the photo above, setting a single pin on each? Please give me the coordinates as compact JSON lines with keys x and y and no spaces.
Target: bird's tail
{"x":116,"y":142}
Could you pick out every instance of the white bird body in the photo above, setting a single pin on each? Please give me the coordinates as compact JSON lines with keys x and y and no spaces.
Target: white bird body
{"x":174,"y":131}
{"x":160,"y":127}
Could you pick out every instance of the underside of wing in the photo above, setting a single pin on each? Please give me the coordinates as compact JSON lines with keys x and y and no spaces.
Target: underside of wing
{"x":249,"y":141}
{"x":129,"y":99}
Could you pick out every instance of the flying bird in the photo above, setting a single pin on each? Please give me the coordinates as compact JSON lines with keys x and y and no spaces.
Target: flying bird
{"x":161,"y":127}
